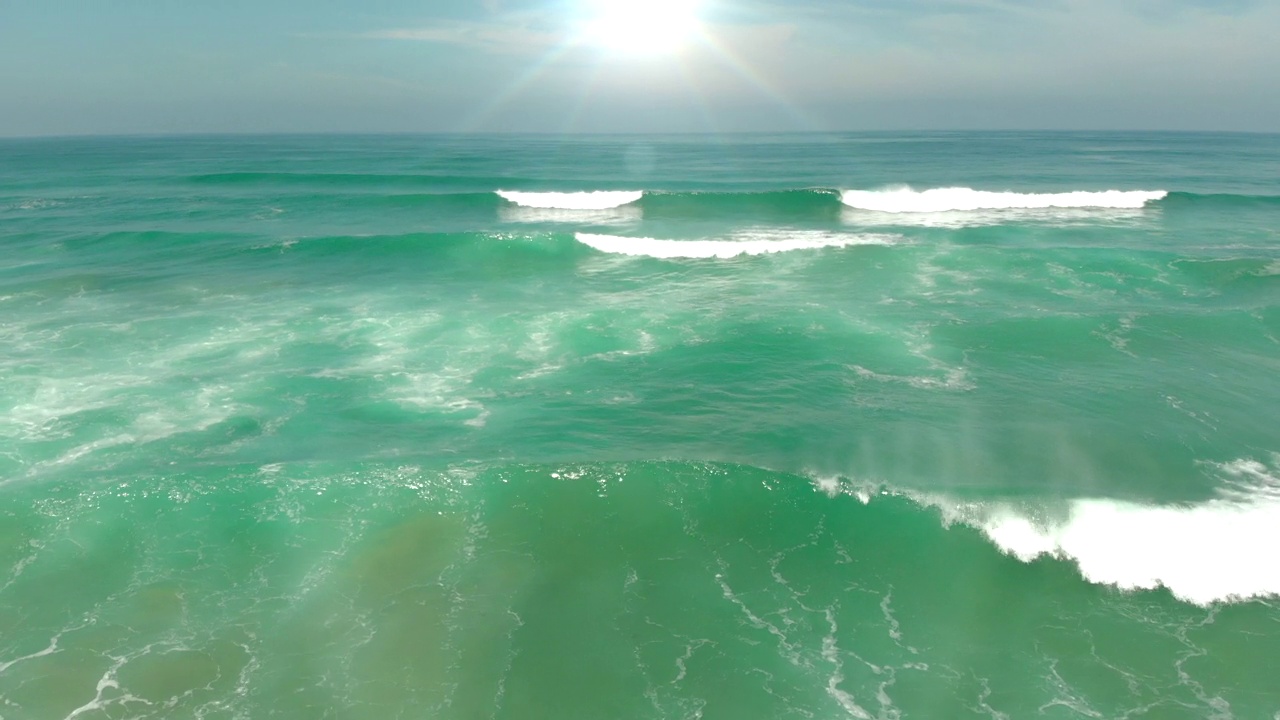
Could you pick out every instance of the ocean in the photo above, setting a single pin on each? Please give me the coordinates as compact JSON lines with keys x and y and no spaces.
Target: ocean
{"x":928,"y":425}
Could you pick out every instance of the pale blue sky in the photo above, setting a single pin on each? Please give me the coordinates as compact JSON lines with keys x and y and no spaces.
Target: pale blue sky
{"x":151,"y":66}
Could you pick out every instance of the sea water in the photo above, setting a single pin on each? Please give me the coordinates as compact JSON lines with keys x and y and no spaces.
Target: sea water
{"x":935,"y":425}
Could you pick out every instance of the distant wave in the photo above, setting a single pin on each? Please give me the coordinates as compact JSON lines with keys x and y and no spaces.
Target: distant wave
{"x":1234,"y":201}
{"x":1221,"y":550}
{"x":516,"y":202}
{"x":758,"y":243}
{"x":687,"y":198}
{"x":937,"y":200}
{"x":598,"y":200}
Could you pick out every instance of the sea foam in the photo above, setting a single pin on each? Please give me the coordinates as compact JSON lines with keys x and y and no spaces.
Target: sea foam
{"x":938,"y":200}
{"x":598,"y":200}
{"x":1220,"y":550}
{"x":747,"y":243}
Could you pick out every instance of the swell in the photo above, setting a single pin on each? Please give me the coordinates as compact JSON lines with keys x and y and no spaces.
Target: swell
{"x":127,"y":254}
{"x":826,"y":203}
{"x":479,"y":193}
{"x":585,"y":568}
{"x":802,"y":203}
{"x":1219,"y":550}
{"x":780,"y":204}
{"x":1221,"y":200}
{"x":488,"y":247}
{"x":427,"y":248}
{"x":357,"y":181}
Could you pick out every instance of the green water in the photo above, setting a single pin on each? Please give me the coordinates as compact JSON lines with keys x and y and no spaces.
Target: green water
{"x":325,"y":428}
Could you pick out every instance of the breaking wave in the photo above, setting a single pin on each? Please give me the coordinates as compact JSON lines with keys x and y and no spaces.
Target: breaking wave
{"x":598,"y":200}
{"x":937,"y":200}
{"x":1221,"y":550}
{"x":749,"y":243}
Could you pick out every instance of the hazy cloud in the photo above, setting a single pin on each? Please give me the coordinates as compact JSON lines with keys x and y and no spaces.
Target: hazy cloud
{"x":488,"y":36}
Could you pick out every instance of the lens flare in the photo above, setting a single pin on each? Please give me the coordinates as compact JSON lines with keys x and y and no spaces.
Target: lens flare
{"x":641,"y":27}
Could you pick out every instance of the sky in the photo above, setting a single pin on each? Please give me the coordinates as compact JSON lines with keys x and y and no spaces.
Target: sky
{"x":553,"y":66}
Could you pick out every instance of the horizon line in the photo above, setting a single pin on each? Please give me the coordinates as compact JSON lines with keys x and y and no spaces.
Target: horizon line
{"x":609,"y":133}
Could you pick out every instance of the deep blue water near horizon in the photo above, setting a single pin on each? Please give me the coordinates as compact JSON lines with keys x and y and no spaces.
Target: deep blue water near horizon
{"x":876,"y":425}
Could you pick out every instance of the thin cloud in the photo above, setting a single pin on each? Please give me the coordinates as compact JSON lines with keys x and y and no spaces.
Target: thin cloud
{"x":499,"y":37}
{"x":530,"y":35}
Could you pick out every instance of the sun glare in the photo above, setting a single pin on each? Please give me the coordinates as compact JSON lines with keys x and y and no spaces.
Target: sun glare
{"x":641,"y":27}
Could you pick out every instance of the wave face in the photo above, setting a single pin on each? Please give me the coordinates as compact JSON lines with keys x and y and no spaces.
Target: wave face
{"x":596,"y":200}
{"x":670,"y":585}
{"x":939,"y":200}
{"x":758,"y":243}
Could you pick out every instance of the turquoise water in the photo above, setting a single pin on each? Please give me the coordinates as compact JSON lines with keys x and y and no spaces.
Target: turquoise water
{"x":849,"y":426}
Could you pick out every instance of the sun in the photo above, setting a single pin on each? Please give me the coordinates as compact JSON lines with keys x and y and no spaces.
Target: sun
{"x":641,"y":27}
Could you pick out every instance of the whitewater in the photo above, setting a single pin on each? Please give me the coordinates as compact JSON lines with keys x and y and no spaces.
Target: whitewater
{"x":937,"y":200}
{"x":592,"y":200}
{"x":1214,"y":551}
{"x":747,"y":243}
{"x":803,"y":426}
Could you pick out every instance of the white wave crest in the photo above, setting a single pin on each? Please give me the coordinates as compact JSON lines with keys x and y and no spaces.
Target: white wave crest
{"x":1221,"y":550}
{"x":955,"y":219}
{"x":598,"y":200}
{"x":750,"y":243}
{"x":938,"y":200}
